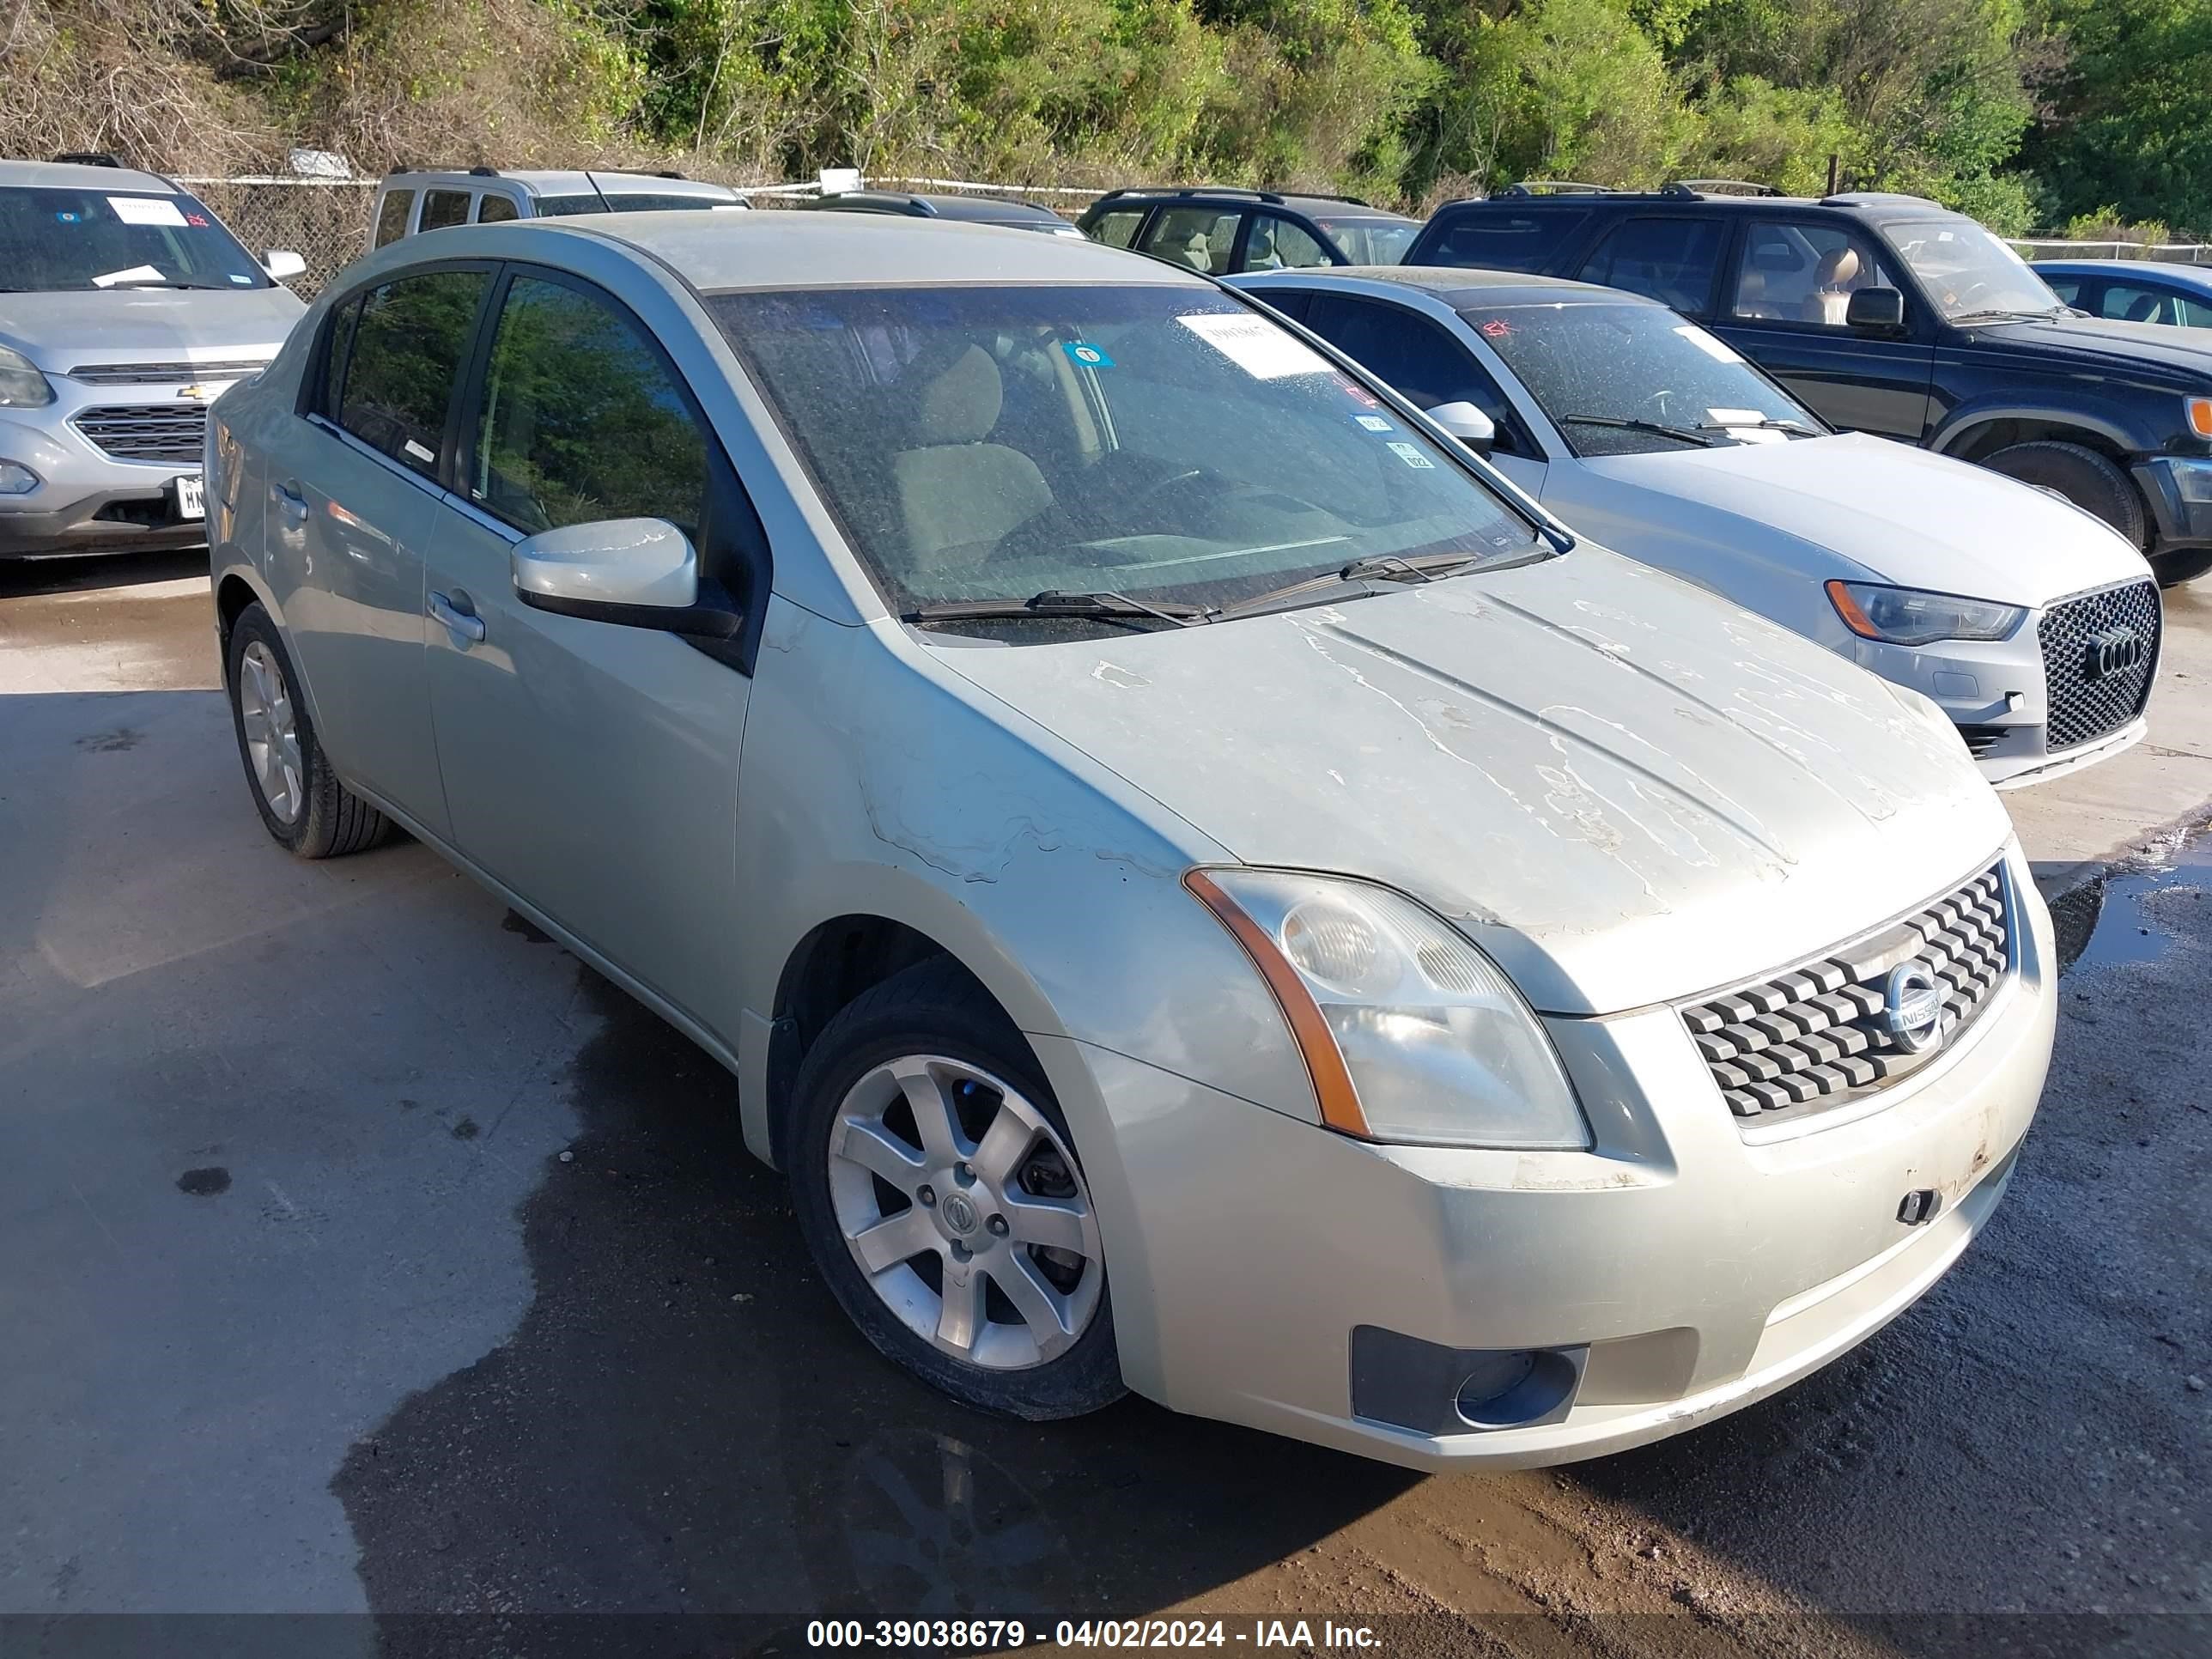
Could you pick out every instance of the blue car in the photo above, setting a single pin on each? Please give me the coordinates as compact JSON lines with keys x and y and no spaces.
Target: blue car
{"x":2133,"y":291}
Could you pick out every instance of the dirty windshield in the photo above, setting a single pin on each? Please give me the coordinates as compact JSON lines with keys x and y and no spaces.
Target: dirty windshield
{"x":54,"y":239}
{"x":1156,"y":441}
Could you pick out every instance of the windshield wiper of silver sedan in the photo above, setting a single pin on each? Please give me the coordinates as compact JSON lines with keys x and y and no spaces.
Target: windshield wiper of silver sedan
{"x":1105,"y":606}
{"x":1684,"y":434}
{"x":1767,"y":424}
{"x":1381,"y":566}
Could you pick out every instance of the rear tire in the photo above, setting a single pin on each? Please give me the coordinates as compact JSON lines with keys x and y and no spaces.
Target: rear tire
{"x":302,"y":804}
{"x":923,"y":1124}
{"x":2092,"y":482}
{"x":2172,"y":569}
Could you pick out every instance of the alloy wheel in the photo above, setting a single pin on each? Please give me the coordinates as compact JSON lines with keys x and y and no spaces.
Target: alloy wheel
{"x":965,"y":1211}
{"x":272,"y":731}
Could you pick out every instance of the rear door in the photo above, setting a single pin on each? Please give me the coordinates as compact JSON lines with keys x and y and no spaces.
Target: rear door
{"x":589,"y":767}
{"x":1789,"y":286}
{"x":355,"y":487}
{"x":1675,"y":259}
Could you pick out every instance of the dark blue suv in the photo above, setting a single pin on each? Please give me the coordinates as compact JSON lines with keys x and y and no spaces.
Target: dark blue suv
{"x":1893,"y":315}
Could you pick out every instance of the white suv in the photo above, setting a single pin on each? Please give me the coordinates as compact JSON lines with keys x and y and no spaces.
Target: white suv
{"x":125,"y":309}
{"x":410,"y":202}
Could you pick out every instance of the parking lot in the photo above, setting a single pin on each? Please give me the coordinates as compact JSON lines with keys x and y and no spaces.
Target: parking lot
{"x":369,"y":1253}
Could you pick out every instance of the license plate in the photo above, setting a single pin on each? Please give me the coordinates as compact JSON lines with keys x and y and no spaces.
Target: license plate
{"x":192,"y":497}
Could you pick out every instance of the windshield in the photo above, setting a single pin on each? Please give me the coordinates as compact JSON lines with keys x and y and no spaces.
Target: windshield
{"x":1589,"y":366}
{"x":1371,"y":241}
{"x":53,"y":239}
{"x":1968,"y":273}
{"x":1158,"y":441}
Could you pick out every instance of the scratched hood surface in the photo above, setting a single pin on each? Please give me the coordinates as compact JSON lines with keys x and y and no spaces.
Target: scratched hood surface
{"x":1627,"y":790}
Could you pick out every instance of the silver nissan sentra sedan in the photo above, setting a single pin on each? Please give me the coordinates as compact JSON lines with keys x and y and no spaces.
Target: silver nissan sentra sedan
{"x":1203,"y":888}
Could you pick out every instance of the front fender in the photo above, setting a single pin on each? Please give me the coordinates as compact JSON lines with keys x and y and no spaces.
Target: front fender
{"x":1958,"y":429}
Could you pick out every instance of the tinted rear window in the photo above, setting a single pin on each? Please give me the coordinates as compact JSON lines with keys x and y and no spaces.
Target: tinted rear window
{"x":1487,"y":238}
{"x":641,"y":201}
{"x":441,"y":208}
{"x":392,"y":217}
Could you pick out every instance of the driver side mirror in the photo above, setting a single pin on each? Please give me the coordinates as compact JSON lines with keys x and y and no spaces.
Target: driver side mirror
{"x":1464,"y":422}
{"x":1875,"y":311}
{"x":633,"y":573}
{"x":282,"y":264}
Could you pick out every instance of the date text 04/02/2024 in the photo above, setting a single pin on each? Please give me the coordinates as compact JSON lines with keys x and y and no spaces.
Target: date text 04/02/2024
{"x":987,"y":1635}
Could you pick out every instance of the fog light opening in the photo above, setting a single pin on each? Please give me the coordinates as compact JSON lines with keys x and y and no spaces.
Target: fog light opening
{"x":1514,"y":1386}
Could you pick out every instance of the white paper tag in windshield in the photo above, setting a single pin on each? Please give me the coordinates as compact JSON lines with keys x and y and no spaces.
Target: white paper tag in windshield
{"x":147,"y":210}
{"x":136,"y":274}
{"x":1744,"y":425}
{"x":1260,"y":348}
{"x":1719,"y":350}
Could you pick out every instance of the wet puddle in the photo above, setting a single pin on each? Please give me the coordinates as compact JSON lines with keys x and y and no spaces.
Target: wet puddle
{"x":2125,"y":916}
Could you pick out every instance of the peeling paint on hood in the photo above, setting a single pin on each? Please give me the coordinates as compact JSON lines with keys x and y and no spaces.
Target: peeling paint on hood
{"x":1627,"y":790}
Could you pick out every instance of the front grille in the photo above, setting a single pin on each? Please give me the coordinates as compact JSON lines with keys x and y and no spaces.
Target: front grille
{"x":162,"y":374}
{"x":1805,"y":1041}
{"x":159,"y":432}
{"x":2100,"y":651}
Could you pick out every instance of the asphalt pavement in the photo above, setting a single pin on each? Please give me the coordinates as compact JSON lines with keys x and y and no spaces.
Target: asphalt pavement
{"x":367,"y":1254}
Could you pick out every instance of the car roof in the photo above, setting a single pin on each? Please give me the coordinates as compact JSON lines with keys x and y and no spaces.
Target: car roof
{"x":1880,"y":206}
{"x":558,"y":182}
{"x":2195,"y":275}
{"x":1457,"y":286}
{"x":74,"y":175}
{"x":986,"y":209}
{"x":819,"y":249}
{"x":1231,"y":194}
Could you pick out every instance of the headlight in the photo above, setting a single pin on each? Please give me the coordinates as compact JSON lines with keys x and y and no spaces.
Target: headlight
{"x":1908,"y":616}
{"x":1410,"y":1033}
{"x":2200,"y":415}
{"x":21,"y":385}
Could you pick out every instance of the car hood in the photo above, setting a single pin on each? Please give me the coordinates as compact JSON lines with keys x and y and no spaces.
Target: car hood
{"x":1625,"y":789}
{"x":2120,"y":344}
{"x":59,"y":331}
{"x":1900,"y":515}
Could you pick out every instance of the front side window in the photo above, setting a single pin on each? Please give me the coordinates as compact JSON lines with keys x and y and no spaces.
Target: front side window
{"x":407,"y":350}
{"x":1117,"y":229}
{"x":580,"y":420}
{"x":1160,"y":441}
{"x":1970,"y":275}
{"x":1277,"y":244}
{"x":441,"y":208}
{"x":1804,"y":273}
{"x":1371,"y":241}
{"x":392,"y":216}
{"x":1629,"y":379}
{"x":1203,"y":238}
{"x":1416,"y":355}
{"x":1491,"y":239}
{"x":1669,"y":260}
{"x":55,"y":239}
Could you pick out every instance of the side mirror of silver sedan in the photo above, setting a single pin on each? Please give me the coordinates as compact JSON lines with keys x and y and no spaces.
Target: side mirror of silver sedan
{"x":634,"y":573}
{"x":1464,"y":422}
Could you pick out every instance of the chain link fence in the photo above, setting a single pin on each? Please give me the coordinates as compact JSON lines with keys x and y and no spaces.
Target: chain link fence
{"x":2058,"y":247}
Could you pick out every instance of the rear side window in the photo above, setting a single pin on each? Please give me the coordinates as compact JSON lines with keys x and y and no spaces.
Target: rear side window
{"x":1203,"y":238}
{"x":407,"y":351}
{"x":1277,"y":244}
{"x":392,"y":217}
{"x":581,"y":420}
{"x":494,"y":208}
{"x":441,"y":208}
{"x":1117,"y":229}
{"x":560,"y":207}
{"x":1487,"y":238}
{"x":641,"y":201}
{"x":1670,"y":260}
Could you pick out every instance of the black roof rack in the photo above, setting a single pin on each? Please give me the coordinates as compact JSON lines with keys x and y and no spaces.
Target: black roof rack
{"x":1717,"y":187}
{"x":1556,"y":187}
{"x":1854,"y":197}
{"x":87,"y":158}
{"x":484,"y":173}
{"x":670,"y":173}
{"x":1276,"y":196}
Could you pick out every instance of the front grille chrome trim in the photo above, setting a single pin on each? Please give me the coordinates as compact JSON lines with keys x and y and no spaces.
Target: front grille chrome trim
{"x":1798,"y":1043}
{"x":168,"y":435}
{"x":2082,"y":704}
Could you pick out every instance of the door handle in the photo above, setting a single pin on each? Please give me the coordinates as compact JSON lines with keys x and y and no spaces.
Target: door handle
{"x":293,"y":499}
{"x":459,"y":617}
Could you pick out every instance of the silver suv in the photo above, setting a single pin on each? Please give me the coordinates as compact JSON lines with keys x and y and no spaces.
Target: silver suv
{"x":125,"y":309}
{"x":421,"y":200}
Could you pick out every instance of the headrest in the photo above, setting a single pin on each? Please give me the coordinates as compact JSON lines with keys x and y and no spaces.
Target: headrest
{"x":961,"y":404}
{"x":1840,"y":265}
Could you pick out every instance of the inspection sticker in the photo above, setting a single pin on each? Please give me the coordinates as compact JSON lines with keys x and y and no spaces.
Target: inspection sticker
{"x":1412,"y":457}
{"x":1260,"y":348}
{"x":146,"y":210}
{"x":1375,"y":424}
{"x":1087,"y":355}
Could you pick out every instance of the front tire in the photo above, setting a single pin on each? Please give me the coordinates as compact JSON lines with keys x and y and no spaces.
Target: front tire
{"x":2172,"y":569}
{"x":2092,"y":482}
{"x":302,"y":803}
{"x":938,"y":1187}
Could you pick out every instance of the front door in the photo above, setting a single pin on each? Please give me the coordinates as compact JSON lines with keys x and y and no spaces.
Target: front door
{"x":1785,"y":311}
{"x":592,"y":768}
{"x":354,"y":496}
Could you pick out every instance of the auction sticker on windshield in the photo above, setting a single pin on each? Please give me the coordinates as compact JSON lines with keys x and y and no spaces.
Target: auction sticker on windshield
{"x":1260,"y":348}
{"x":146,"y":210}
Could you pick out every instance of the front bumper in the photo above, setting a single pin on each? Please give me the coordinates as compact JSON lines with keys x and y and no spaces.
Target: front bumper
{"x":1692,"y":1266}
{"x":2180,"y":491}
{"x":88,"y":501}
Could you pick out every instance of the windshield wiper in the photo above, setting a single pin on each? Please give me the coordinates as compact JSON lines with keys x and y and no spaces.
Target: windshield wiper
{"x":1686,"y":435}
{"x":2014,"y":314}
{"x":1381,"y":566}
{"x":1055,"y":604}
{"x":1767,"y":424}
